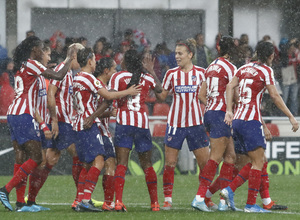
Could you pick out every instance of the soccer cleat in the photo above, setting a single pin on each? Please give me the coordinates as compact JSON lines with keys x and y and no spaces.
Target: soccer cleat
{"x":106,"y":207}
{"x":97,"y":204}
{"x":228,"y":195}
{"x":201,"y":206}
{"x":210,"y":204}
{"x":273,"y":206}
{"x":87,"y":207}
{"x":155,"y":207}
{"x":5,"y":199}
{"x":39,"y":207}
{"x":19,"y":205}
{"x":27,"y":208}
{"x":223,"y":207}
{"x":74,"y":204}
{"x":120,"y":207}
{"x":167,"y":206}
{"x":255,"y":208}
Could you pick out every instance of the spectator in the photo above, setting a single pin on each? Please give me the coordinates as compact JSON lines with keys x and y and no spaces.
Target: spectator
{"x":57,"y":55}
{"x":203,"y":54}
{"x":6,"y":91}
{"x":7,"y":66}
{"x":125,"y":46}
{"x":83,"y":41}
{"x":30,"y":33}
{"x":98,"y":47}
{"x":245,"y":50}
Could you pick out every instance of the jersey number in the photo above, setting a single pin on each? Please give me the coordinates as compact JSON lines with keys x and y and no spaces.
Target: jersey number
{"x":245,"y":90}
{"x":213,"y":86}
{"x":133,"y":104}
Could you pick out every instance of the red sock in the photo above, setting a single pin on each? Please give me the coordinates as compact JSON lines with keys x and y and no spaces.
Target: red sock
{"x":215,"y":186}
{"x":119,"y":181}
{"x":254,"y":185}
{"x":37,"y":180}
{"x":151,"y":180}
{"x":206,"y":177}
{"x":76,"y":169}
{"x":80,"y":186}
{"x":225,"y":176}
{"x":241,"y":177}
{"x":20,"y":188}
{"x":264,"y":187}
{"x":108,"y":188}
{"x":235,"y":172}
{"x":21,"y":174}
{"x":168,"y":180}
{"x":90,"y":182}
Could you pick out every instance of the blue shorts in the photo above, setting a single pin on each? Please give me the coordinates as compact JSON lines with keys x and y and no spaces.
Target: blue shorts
{"x":126,"y":135}
{"x":65,"y":138}
{"x":215,"y":125}
{"x":248,"y":136}
{"x":23,"y":128}
{"x":196,"y":137}
{"x":108,"y":147}
{"x":89,"y":144}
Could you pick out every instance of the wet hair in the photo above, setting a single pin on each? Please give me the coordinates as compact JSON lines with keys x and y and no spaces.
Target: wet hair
{"x":102,"y":64}
{"x":189,"y":44}
{"x":264,"y":50}
{"x":227,"y":46}
{"x":134,"y":65}
{"x":23,"y":50}
{"x":84,"y":55}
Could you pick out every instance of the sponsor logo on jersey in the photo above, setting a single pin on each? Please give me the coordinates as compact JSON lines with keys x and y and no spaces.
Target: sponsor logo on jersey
{"x":186,"y":89}
{"x":42,"y":92}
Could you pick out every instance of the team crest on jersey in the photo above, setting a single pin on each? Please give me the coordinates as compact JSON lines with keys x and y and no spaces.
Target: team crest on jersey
{"x":97,"y":83}
{"x":42,"y":92}
{"x":169,"y":138}
{"x":194,"y":78}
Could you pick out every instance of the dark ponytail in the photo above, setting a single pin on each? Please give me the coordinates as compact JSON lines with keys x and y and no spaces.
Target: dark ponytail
{"x":134,"y":65}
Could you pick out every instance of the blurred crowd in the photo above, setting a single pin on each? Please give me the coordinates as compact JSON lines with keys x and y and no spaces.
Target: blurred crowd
{"x":286,"y":64}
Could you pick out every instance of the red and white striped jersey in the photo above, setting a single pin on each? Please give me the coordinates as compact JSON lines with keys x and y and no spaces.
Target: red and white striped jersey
{"x":26,"y":88}
{"x":85,"y":87}
{"x":131,"y":109}
{"x":253,"y":78}
{"x":42,"y":98}
{"x":218,"y":75}
{"x":103,"y":123}
{"x":185,"y":110}
{"x":64,"y":96}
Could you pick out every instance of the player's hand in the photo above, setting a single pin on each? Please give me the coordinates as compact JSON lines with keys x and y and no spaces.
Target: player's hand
{"x":294,"y":123}
{"x":228,"y":118}
{"x":88,"y":122}
{"x":134,"y":90}
{"x":267,"y":133}
{"x":55,"y":130}
{"x":48,"y":134}
{"x":113,"y":113}
{"x":148,"y":62}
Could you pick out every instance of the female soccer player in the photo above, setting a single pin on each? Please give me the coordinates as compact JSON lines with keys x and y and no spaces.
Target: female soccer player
{"x":21,"y":112}
{"x":185,"y":116}
{"x":132,"y":124}
{"x":60,"y":105}
{"x":104,"y":70}
{"x":253,"y":79}
{"x":89,"y":142}
{"x":218,"y":75}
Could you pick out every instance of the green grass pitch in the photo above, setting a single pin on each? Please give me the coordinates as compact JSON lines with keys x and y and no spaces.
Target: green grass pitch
{"x":59,"y":191}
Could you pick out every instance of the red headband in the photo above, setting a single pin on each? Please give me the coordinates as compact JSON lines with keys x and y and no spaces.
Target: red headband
{"x":185,"y":46}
